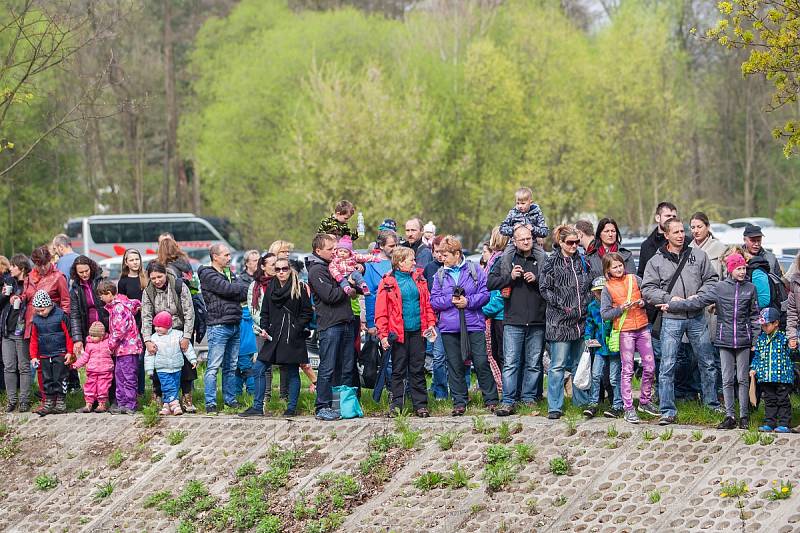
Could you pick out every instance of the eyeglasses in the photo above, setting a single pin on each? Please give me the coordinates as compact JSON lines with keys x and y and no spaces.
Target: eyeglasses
{"x":572,"y":243}
{"x":282,"y":269}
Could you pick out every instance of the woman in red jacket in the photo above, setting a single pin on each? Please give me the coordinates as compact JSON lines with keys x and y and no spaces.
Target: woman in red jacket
{"x":403,"y":308}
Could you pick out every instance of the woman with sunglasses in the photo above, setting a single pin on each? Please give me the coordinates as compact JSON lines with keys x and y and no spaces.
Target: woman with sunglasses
{"x":285,"y":315}
{"x":565,"y":284}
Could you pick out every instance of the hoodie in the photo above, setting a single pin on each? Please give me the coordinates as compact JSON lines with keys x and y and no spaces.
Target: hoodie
{"x":331,"y":302}
{"x":123,"y":338}
{"x":96,"y":357}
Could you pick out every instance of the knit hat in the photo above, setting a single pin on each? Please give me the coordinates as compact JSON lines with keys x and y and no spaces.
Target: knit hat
{"x":163,"y":320}
{"x":598,"y":283}
{"x":97,"y":329}
{"x":769,"y":314}
{"x":345,"y":242}
{"x":42,"y":299}
{"x":388,"y":224}
{"x":430,"y":227}
{"x":734,"y":261}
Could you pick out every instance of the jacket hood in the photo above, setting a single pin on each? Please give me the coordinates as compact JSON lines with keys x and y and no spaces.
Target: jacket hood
{"x":132,"y":305}
{"x":758,"y":262}
{"x":181,"y":265}
{"x":314,"y":259}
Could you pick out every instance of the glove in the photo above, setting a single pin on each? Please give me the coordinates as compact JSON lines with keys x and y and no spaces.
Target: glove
{"x":35,"y":363}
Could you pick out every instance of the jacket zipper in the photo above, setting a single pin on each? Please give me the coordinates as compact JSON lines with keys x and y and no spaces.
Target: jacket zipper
{"x":735,"y":311}
{"x":578,"y":292}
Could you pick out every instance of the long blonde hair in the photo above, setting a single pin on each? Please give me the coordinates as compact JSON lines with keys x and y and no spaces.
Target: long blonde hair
{"x":294,"y":279}
{"x":126,"y":270}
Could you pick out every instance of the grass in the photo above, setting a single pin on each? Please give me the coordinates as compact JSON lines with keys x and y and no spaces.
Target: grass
{"x":497,"y":453}
{"x":697,"y":435}
{"x":561,"y":465}
{"x":648,"y":435}
{"x":666,"y":434}
{"x":654,"y":496}
{"x":751,"y":436}
{"x":560,"y":500}
{"x":150,"y":416}
{"x":524,"y":453}
{"x":734,"y":489}
{"x":782,"y":491}
{"x":612,"y":431}
{"x":176,"y":437}
{"x":104,"y":491}
{"x":498,"y":475}
{"x":766,"y":439}
{"x":46,"y":482}
{"x":116,"y":458}
{"x":447,"y":439}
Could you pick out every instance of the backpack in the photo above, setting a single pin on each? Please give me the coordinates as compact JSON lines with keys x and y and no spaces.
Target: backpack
{"x":198,"y":304}
{"x":778,"y":296}
{"x":473,"y":272}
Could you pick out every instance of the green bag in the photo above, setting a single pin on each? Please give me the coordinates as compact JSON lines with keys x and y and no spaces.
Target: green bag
{"x":613,"y":339}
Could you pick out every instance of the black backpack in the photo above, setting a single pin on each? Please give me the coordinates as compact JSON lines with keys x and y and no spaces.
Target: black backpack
{"x":778,"y":296}
{"x":198,"y":304}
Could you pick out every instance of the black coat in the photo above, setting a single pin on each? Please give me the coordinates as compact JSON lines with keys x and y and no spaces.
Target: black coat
{"x":525,"y":305}
{"x":79,"y":312}
{"x":286,"y":320}
{"x":332,"y":303}
{"x":650,"y":246}
{"x":223,"y":298}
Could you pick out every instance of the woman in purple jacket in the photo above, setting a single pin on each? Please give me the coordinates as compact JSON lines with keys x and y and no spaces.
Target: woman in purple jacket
{"x":459,"y":292}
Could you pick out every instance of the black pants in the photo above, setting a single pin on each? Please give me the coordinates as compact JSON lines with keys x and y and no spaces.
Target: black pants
{"x":777,"y":407}
{"x":408,"y":359}
{"x":497,"y":343}
{"x":456,"y":370}
{"x":54,"y":376}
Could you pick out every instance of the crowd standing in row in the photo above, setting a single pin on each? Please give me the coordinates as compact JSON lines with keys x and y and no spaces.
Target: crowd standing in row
{"x":420,"y":297}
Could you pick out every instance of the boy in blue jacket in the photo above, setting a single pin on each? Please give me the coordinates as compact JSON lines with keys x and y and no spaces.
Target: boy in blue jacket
{"x":772,"y":366}
{"x":596,"y":334}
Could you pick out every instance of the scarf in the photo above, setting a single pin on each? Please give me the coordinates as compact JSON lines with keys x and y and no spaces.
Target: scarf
{"x":601,"y":249}
{"x":280,"y":295}
{"x":259,"y":290}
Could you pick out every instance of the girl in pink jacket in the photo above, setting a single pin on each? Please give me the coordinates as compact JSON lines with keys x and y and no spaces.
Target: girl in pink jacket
{"x":99,"y":369}
{"x":125,"y":342}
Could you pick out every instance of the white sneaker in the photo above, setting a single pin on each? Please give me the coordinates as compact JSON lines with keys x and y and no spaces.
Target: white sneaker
{"x":631,"y":416}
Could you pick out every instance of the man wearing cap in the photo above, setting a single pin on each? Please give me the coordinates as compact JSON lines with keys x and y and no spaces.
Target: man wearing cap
{"x":517,"y":276}
{"x":752,"y":243}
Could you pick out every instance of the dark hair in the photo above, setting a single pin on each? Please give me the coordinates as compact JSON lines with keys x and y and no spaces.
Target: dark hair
{"x":83,"y":260}
{"x":260,"y":275}
{"x":665,"y":205}
{"x":344,"y":207}
{"x":41,"y":256}
{"x":437,"y":240}
{"x":601,"y":226}
{"x":384,"y":236}
{"x":320,"y":239}
{"x":701,"y":217}
{"x":585,"y":227}
{"x":155,"y":266}
{"x":670,"y":222}
{"x":22,"y":262}
{"x":106,"y":287}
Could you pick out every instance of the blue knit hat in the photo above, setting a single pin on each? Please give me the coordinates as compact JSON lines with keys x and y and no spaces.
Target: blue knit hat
{"x":769,"y":314}
{"x":388,"y":224}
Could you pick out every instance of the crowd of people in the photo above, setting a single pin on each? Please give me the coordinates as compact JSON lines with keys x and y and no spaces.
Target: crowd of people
{"x":727,"y":314}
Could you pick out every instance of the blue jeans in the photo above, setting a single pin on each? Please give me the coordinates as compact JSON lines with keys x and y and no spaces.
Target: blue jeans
{"x":244,"y":374}
{"x":522,"y":354}
{"x":672,"y":331}
{"x":598,"y":367}
{"x":293,"y":373}
{"x":439,"y":383}
{"x":336,"y":362}
{"x":170,"y":385}
{"x":563,"y":356}
{"x":223,"y":351}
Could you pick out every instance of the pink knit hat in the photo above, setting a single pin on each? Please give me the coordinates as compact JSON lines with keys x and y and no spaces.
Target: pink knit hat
{"x":734,"y":261}
{"x":345,"y":242}
{"x":163,"y":320}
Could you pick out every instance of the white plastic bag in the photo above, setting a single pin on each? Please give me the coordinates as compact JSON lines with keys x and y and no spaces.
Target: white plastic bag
{"x":583,"y":374}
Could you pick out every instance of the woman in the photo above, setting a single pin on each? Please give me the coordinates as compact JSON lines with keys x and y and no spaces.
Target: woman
{"x":565,"y":284}
{"x":459,"y":292}
{"x":255,"y":297}
{"x":281,"y":249}
{"x":16,"y":357}
{"x":285,"y":315}
{"x":607,"y":239}
{"x":85,"y":303}
{"x":705,"y":240}
{"x":403,"y":309}
{"x":494,"y":309}
{"x":131,"y":283}
{"x":171,"y":256}
{"x":167,"y":293}
{"x":793,"y":308}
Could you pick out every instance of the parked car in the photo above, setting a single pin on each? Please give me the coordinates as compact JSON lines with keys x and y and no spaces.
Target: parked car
{"x":757,"y":221}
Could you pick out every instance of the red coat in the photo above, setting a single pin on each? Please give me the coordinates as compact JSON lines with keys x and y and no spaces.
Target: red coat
{"x":54,"y":284}
{"x":389,"y":306}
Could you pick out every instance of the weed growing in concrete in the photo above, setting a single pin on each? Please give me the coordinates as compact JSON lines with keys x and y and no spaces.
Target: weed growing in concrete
{"x":561,"y":465}
{"x":697,"y":435}
{"x":156,"y":499}
{"x":612,"y":444}
{"x":572,"y":424}
{"x":648,"y":435}
{"x":150,"y":416}
{"x":780,"y":492}
{"x":458,"y":477}
{"x":751,"y":436}
{"x":498,"y":475}
{"x":384,"y":442}
{"x":524,"y":453}
{"x":654,"y":496}
{"x":45,"y":482}
{"x":281,"y":458}
{"x":3,"y":429}
{"x":560,"y":500}
{"x":104,"y":491}
{"x":766,"y":439}
{"x":409,"y":439}
{"x":612,"y":432}
{"x":429,"y":481}
{"x":116,"y":458}
{"x":479,"y":425}
{"x":181,"y":454}
{"x":369,"y":464}
{"x":504,"y":432}
{"x":532,"y":505}
{"x":497,"y":453}
{"x":176,"y":437}
{"x":733,"y":489}
{"x":447,"y":440}
{"x":327,"y":523}
{"x":247,"y":469}
{"x":11,"y":449}
{"x":666,"y":434}
{"x":156,"y":457}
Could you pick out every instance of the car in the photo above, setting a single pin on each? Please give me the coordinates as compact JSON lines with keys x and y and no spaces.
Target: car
{"x":756,"y":221}
{"x":111,"y":268}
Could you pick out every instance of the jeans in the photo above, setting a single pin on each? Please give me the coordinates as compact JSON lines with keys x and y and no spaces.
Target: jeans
{"x":17,"y":365}
{"x":631,"y":342}
{"x":735,"y":367}
{"x":522,"y":347}
{"x":170,"y":384}
{"x":672,"y":330}
{"x":293,"y":378}
{"x":223,"y":351}
{"x":456,"y":370}
{"x":598,"y":369}
{"x":336,"y":362}
{"x":439,"y":382}
{"x":563,"y":356}
{"x":54,"y":376}
{"x":688,"y":383}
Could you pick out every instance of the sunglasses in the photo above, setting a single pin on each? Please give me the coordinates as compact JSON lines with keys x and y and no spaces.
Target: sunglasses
{"x":571,"y":243}
{"x":282,"y":269}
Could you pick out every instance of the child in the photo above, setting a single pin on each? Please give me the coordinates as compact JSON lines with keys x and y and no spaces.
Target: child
{"x":772,"y":366}
{"x":428,"y":233}
{"x":596,"y":334}
{"x":345,"y":265}
{"x":124,"y":341}
{"x":336,"y":224}
{"x":99,"y":369}
{"x":50,"y":343}
{"x":736,"y":303}
{"x":168,"y":361}
{"x":621,"y":301}
{"x":526,"y":213}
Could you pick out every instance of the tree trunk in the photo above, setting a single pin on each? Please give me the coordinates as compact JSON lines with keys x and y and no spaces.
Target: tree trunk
{"x":170,"y":159}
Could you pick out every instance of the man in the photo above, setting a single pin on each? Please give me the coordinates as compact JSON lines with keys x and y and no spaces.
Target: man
{"x":664,"y":211}
{"x":223,"y":294}
{"x":523,"y":318}
{"x":334,"y":314}
{"x":752,"y":243}
{"x":66,"y":256}
{"x":585,"y":233}
{"x":250,"y":258}
{"x":422,"y":253}
{"x":696,"y":277}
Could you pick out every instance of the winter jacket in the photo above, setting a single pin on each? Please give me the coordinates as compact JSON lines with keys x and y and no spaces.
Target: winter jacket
{"x":494,"y":307}
{"x":614,"y":295}
{"x":286,"y":319}
{"x":223,"y":294}
{"x":53,"y":283}
{"x":430,"y":271}
{"x":332,"y":303}
{"x":96,"y":357}
{"x":596,"y":262}
{"x":772,"y":261}
{"x":341,"y":267}
{"x":714,"y":250}
{"x":169,"y":356}
{"x":50,"y":334}
{"x":525,"y":305}
{"x":533,"y":217}
{"x":793,"y":309}
{"x":596,"y":328}
{"x":123,"y":337}
{"x":155,"y":300}
{"x":332,"y":226}
{"x":475,"y":291}
{"x":373,"y":274}
{"x":79,"y":310}
{"x":565,"y":283}
{"x":772,"y":360}
{"x":649,"y":248}
{"x":696,"y":277}
{"x":422,"y":253}
{"x":389,"y":306}
{"x":736,"y":310}
{"x":10,"y":317}
{"x":758,"y":273}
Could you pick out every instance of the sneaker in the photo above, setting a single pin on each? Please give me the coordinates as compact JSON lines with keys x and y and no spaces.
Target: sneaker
{"x":631,"y":417}
{"x":728,"y":423}
{"x":422,"y":412}
{"x":24,"y":408}
{"x":289,"y":413}
{"x":744,"y":422}
{"x":175,"y":407}
{"x":590,"y":411}
{"x":46,"y":408}
{"x":101,"y":407}
{"x":765,"y":428}
{"x":649,"y":409}
{"x":10,"y":407}
{"x":782,"y":429}
{"x":60,"y":406}
{"x":666,"y":420}
{"x":127,"y":411}
{"x":613,"y":413}
{"x":211,"y":409}
{"x":458,"y":410}
{"x":86,"y":409}
{"x":553,"y":415}
{"x":252,"y":411}
{"x":504,"y":410}
{"x":327,"y":414}
{"x":188,"y":406}
{"x":165,"y":410}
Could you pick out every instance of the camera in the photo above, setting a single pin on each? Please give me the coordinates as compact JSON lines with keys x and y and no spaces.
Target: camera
{"x":458,"y":291}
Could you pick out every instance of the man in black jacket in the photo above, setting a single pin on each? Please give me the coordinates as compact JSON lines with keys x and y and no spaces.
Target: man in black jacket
{"x":334,"y":313}
{"x":664,"y":211}
{"x":223,"y":294}
{"x":523,"y":318}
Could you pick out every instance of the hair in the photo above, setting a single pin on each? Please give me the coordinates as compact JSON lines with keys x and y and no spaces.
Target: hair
{"x":41,"y":256}
{"x":561,"y":232}
{"x":735,"y":249}
{"x":155,"y":266}
{"x":609,"y":259}
{"x":62,"y":240}
{"x":166,"y":235}
{"x":320,"y":239}
{"x":294,"y":279}
{"x":417,"y":221}
{"x":585,"y":227}
{"x":215,"y":249}
{"x":276,"y":246}
{"x":437,"y":241}
{"x":451,"y":244}
{"x":5,"y":264}
{"x":170,"y":251}
{"x":94,"y":268}
{"x":106,"y":287}
{"x":524,"y":192}
{"x":384,"y":236}
{"x":498,"y":241}
{"x":250,"y":253}
{"x":601,"y":226}
{"x":22,"y":262}
{"x":344,"y":207}
{"x":260,"y":275}
{"x":400,"y":254}
{"x":665,"y":205}
{"x":126,"y":270}
{"x":669,"y":223}
{"x":701,"y":217}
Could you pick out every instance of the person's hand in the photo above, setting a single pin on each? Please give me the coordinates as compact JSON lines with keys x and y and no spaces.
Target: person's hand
{"x":593,"y":343}
{"x":372,"y":331}
{"x":312,"y":387}
{"x":530,"y":277}
{"x":35,"y":363}
{"x":676,"y":299}
{"x":430,"y":334}
{"x":516,"y":272}
{"x":793,"y":343}
{"x":460,"y":302}
{"x":194,"y":365}
{"x":184,"y":343}
{"x":752,"y":373}
{"x":363,"y":326}
{"x":264,"y":334}
{"x":14,"y":299}
{"x":627,"y":305}
{"x":663,"y":307}
{"x":69,"y":359}
{"x":640,"y":302}
{"x":151,"y":347}
{"x":385,"y":343}
{"x":77,"y":348}
{"x":692,"y":297}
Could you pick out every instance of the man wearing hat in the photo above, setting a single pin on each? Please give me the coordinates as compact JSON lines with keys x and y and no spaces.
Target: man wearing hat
{"x":752,"y":243}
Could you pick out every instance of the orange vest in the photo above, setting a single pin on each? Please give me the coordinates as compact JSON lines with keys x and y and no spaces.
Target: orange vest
{"x":618,"y":289}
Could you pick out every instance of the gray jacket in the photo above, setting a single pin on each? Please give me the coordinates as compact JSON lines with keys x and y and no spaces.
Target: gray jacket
{"x":697,"y":277}
{"x":165,"y":300}
{"x":792,"y":319}
{"x":596,"y":262}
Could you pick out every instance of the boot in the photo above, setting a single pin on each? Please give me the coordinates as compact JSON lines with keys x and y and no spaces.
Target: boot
{"x":188,"y":406}
{"x":165,"y":410}
{"x":61,"y":405}
{"x":47,"y":407}
{"x":101,"y":407}
{"x":175,"y":406}
{"x":86,"y":409}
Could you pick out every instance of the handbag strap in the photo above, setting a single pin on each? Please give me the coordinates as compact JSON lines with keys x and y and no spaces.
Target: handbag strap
{"x":628,"y":299}
{"x":678,"y":270}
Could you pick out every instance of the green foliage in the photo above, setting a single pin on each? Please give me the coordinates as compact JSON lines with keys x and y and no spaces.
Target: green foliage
{"x":751,"y":436}
{"x":369,"y":464}
{"x":447,"y":439}
{"x":46,"y":482}
{"x":666,"y":434}
{"x":497,"y":453}
{"x":157,"y":498}
{"x":765,"y":439}
{"x":782,"y":491}
{"x":429,"y":480}
{"x":104,"y":491}
{"x":116,"y":458}
{"x":176,"y":437}
{"x":498,"y":475}
{"x":612,"y":431}
{"x":11,"y":448}
{"x":654,"y":496}
{"x":524,"y":453}
{"x":697,"y":435}
{"x":734,"y":489}
{"x":560,"y":465}
{"x":150,"y":416}
{"x":384,"y":442}
{"x":456,"y":479}
{"x":246,"y":469}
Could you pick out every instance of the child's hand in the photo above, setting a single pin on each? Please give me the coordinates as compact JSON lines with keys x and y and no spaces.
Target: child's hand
{"x":793,"y":343}
{"x":593,"y":343}
{"x":194,"y":365}
{"x":312,"y":387}
{"x":752,"y":373}
{"x":35,"y":363}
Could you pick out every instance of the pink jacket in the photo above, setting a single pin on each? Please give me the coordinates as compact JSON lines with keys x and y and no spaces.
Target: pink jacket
{"x":96,"y":356}
{"x":341,"y":267}
{"x":123,"y":336}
